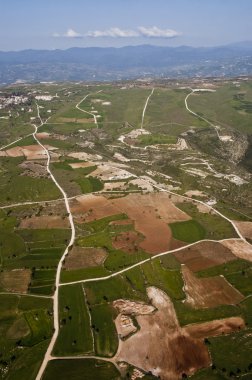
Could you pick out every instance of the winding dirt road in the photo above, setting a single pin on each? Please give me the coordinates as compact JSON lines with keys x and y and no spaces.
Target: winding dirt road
{"x":55,"y":297}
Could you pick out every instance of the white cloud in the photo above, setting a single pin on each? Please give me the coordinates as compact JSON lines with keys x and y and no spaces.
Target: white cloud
{"x":155,"y":32}
{"x":70,"y":33}
{"x":141,"y":31}
{"x":112,"y":32}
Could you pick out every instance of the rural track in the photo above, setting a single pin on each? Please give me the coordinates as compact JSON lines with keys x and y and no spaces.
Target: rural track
{"x":14,"y":142}
{"x":48,"y":355}
{"x":25,"y":295}
{"x":144,"y":261}
{"x":59,"y":267}
{"x":197,"y":115}
{"x":145,"y":107}
{"x":89,"y":113}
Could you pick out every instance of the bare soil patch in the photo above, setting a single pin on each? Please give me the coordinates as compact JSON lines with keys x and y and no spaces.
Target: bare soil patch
{"x":77,"y":165}
{"x":87,"y":208}
{"x":85,"y":156}
{"x":113,"y":186}
{"x":150,"y":213}
{"x":209,"y":292}
{"x":204,"y":255}
{"x":245,"y":228}
{"x":127,"y":241}
{"x":239,"y":248}
{"x":215,"y":328}
{"x":15,"y":280}
{"x":160,"y":345}
{"x":197,"y":193}
{"x":203,"y":208}
{"x":34,"y":169}
{"x":31,"y":152}
{"x":132,"y":307}
{"x":43,"y":135}
{"x":124,"y":326}
{"x":123,"y":222}
{"x":45,"y":221}
{"x":84,"y":258}
{"x":108,"y":173}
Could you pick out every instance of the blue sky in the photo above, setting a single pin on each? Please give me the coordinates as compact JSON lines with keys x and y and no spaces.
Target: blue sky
{"x":50,"y":24}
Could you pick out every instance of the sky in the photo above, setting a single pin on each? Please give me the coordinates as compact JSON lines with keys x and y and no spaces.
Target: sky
{"x":61,"y":24}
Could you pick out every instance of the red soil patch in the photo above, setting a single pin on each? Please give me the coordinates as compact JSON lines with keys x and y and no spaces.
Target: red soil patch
{"x":209,"y":292}
{"x":45,"y":221}
{"x":151,"y":214}
{"x":123,"y":222}
{"x":245,"y":229}
{"x":85,"y":258}
{"x":215,"y":328}
{"x":204,"y":255}
{"x":31,"y":152}
{"x":127,"y":241}
{"x":161,"y":345}
{"x":15,"y":280}
{"x":43,"y":135}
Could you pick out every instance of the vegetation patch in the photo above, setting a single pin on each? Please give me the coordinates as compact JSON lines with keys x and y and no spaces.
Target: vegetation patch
{"x":189,"y":231}
{"x":75,"y":335}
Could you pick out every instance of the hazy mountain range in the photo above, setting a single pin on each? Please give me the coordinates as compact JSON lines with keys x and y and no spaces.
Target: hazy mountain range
{"x":125,"y":63}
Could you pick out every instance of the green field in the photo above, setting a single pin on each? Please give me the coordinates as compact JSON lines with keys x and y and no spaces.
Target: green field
{"x":75,"y":336}
{"x":189,"y":231}
{"x":24,"y":322}
{"x":78,"y":369}
{"x":104,"y":330}
{"x":206,"y":166}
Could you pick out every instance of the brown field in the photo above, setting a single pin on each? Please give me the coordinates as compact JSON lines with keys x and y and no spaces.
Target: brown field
{"x":151,"y":214}
{"x":204,"y":255}
{"x":108,"y":173}
{"x":239,"y":248}
{"x":77,"y":165}
{"x":44,"y":221}
{"x":209,"y":292}
{"x":122,"y":222}
{"x":31,"y":152}
{"x":215,"y":328}
{"x":110,"y":186}
{"x":85,"y":156}
{"x":161,"y":346}
{"x":245,"y":229}
{"x":35,"y":169}
{"x":85,"y":258}
{"x":127,"y":241}
{"x":43,"y":135}
{"x":15,"y":280}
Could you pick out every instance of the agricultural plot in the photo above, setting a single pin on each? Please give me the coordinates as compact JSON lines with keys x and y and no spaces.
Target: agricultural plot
{"x":75,"y":336}
{"x":174,"y":316}
{"x":26,"y":326}
{"x":74,"y":369}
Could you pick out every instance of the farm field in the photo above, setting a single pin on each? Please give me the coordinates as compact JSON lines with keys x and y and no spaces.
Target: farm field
{"x":125,"y":231}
